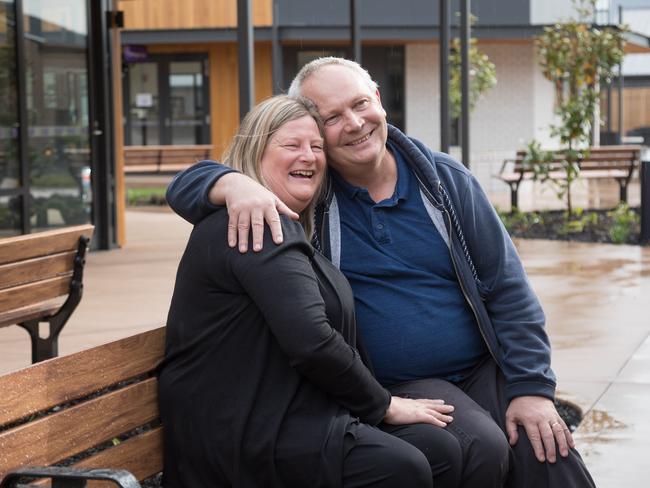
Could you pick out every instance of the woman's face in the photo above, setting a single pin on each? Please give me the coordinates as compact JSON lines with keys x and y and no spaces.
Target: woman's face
{"x":293,"y":162}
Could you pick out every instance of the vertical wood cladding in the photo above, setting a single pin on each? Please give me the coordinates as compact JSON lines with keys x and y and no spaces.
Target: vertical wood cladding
{"x":189,"y":14}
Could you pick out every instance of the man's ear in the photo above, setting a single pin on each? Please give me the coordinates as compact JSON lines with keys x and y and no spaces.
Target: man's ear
{"x":378,"y":95}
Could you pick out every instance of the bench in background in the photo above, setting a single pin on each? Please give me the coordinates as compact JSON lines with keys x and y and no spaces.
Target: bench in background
{"x":163,"y":159}
{"x":41,"y":280}
{"x":72,"y":409}
{"x":604,"y":162}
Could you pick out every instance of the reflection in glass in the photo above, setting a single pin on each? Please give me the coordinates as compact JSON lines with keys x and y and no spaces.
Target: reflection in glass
{"x":56,"y":42}
{"x":144,"y":109}
{"x":9,"y":165}
{"x":187,"y":105}
{"x":10,"y":223}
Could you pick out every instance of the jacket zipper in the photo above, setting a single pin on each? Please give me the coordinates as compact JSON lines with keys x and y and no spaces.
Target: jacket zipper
{"x":460,"y":281}
{"x":467,"y":299}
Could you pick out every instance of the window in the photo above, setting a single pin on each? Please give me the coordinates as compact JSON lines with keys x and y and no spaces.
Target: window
{"x":10,"y":199}
{"x":166,"y":100}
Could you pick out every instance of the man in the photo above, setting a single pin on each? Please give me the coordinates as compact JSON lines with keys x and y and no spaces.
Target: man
{"x":443,"y":304}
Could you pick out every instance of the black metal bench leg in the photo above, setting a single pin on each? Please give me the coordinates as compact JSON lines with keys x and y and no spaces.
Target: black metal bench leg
{"x":42,"y":348}
{"x":46,"y":348}
{"x":68,"y":483}
{"x":514,"y":196}
{"x":622,"y":185}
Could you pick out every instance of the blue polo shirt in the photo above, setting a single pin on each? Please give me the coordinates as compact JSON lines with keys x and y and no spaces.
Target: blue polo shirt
{"x":413,"y":317}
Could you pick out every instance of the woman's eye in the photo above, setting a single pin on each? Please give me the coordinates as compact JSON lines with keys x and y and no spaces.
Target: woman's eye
{"x":316,"y":147}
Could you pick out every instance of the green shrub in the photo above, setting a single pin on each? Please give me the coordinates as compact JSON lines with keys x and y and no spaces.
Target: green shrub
{"x":520,"y":220}
{"x":578,"y":222}
{"x":146,"y":196}
{"x":624,"y":222}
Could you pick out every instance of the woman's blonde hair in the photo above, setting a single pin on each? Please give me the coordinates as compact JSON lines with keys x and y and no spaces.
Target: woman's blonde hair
{"x":247,"y":147}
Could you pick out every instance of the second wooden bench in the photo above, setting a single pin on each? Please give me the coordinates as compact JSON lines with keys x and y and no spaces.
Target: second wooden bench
{"x":604,"y":162}
{"x":41,"y":281}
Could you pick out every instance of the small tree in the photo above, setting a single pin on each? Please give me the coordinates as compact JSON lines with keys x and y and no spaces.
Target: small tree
{"x":482,"y":76}
{"x":576,"y":57}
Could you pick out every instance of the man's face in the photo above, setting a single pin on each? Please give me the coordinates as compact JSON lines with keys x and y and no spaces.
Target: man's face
{"x":355,"y":121}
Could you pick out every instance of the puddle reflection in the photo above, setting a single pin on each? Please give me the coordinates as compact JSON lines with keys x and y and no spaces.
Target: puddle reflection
{"x":598,"y":423}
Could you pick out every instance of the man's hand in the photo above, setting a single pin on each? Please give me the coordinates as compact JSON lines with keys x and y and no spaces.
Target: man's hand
{"x":543,"y":425}
{"x":249,"y":205}
{"x":403,"y":411}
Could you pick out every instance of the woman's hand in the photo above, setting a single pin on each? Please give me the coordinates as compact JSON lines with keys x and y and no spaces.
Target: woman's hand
{"x":418,"y":411}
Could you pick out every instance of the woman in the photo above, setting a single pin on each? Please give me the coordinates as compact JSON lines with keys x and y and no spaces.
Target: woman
{"x":262,"y":384}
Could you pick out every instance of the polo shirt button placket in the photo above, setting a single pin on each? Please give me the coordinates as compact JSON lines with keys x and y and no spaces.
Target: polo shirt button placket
{"x":380,"y":230}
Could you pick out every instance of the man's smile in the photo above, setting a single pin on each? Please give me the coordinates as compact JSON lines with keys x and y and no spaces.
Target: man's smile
{"x":361,"y":140}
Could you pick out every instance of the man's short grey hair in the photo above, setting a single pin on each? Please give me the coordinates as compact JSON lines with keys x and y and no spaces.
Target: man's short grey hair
{"x":310,"y":68}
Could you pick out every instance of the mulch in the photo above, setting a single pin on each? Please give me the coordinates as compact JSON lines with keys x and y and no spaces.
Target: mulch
{"x":587,"y":226}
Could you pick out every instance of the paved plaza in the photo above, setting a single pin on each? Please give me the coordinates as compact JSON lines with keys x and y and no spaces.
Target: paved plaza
{"x":595,"y":297}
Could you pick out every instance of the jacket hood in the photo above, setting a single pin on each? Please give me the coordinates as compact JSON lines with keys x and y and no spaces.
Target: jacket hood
{"x":416,"y":153}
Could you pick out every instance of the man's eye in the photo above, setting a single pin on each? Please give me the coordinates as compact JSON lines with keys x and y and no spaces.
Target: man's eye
{"x":332,"y":120}
{"x":363,"y":103}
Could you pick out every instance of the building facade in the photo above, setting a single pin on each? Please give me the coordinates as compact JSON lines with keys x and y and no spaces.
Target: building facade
{"x":76,"y":90}
{"x":400,"y":49}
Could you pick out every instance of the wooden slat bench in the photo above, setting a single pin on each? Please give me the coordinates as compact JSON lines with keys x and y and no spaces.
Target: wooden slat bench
{"x":92,"y":415}
{"x":41,"y":280}
{"x":604,"y":162}
{"x":163,"y":159}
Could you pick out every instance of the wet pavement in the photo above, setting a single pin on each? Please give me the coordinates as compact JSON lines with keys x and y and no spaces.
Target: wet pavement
{"x":595,"y":297}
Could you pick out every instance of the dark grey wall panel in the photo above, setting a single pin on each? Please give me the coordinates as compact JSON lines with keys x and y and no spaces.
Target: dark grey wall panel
{"x":407,"y":13}
{"x":501,"y":12}
{"x":320,"y":34}
{"x":314,"y":12}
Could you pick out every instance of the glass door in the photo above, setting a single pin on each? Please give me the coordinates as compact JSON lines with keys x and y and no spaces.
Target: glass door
{"x":187,"y":106}
{"x":167,"y":101}
{"x":144,"y":105}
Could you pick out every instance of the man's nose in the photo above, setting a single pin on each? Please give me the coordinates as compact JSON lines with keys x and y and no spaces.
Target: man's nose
{"x":353,"y":121}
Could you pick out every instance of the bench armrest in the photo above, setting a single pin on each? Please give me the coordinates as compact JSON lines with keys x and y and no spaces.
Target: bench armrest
{"x":69,"y":477}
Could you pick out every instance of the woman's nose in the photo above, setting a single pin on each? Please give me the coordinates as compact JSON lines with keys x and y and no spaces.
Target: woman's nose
{"x":308,"y":154}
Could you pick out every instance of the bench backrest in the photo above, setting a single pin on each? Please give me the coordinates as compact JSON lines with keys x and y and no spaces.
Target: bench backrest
{"x":65,"y":406}
{"x":161,"y":159}
{"x":599,"y":158}
{"x":35,"y":270}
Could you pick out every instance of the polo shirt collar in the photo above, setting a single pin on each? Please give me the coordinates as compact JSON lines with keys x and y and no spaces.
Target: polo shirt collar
{"x":401,"y":188}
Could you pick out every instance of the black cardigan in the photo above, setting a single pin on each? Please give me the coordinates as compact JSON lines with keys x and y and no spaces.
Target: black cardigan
{"x":261,"y":372}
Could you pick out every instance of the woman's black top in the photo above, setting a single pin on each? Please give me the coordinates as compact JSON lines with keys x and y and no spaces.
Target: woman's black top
{"x":261,"y":374}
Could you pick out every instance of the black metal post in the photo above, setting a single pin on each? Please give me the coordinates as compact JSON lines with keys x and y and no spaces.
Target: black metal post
{"x":23,"y":129}
{"x":620,"y":86}
{"x":355,"y":31}
{"x":445,"y":34}
{"x":464,"y":78}
{"x":609,"y":108}
{"x":644,"y":178}
{"x":101,"y":21}
{"x":245,"y":44}
{"x":276,"y":47}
